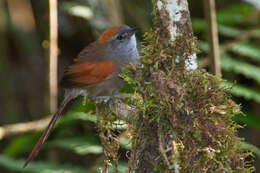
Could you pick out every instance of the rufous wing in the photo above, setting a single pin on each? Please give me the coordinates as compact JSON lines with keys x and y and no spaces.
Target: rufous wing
{"x":87,"y":73}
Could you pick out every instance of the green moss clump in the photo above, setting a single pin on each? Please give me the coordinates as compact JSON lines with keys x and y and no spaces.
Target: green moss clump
{"x":185,"y":118}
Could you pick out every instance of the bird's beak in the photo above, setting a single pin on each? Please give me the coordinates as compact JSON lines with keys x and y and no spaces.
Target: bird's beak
{"x":132,"y":31}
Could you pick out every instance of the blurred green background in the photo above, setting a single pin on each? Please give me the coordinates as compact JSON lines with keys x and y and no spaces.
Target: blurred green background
{"x":74,"y":145}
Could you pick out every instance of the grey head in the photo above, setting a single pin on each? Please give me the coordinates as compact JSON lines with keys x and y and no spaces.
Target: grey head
{"x":121,"y":43}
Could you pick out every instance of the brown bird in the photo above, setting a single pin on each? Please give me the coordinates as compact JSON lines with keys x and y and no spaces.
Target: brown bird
{"x":95,"y":72}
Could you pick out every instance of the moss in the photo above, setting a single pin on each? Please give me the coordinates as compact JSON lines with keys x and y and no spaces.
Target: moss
{"x":185,"y":113}
{"x":108,"y":135}
{"x":185,"y":117}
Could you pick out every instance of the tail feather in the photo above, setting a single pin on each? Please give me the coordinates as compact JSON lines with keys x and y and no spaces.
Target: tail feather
{"x":47,"y":131}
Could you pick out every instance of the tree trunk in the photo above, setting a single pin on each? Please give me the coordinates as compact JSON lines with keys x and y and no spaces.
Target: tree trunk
{"x":184,"y":120}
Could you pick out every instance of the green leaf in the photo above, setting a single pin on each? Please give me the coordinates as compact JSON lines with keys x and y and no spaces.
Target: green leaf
{"x":24,"y":142}
{"x":244,"y":91}
{"x":20,"y":144}
{"x":229,"y":31}
{"x":240,"y":67}
{"x":82,"y":109}
{"x":81,"y":145}
{"x":248,"y":50}
{"x":82,"y":116}
{"x":38,"y":167}
{"x":82,"y":104}
{"x":127,"y":88}
{"x":249,"y":119}
{"x":237,"y":14}
{"x":204,"y":46}
{"x":199,"y":25}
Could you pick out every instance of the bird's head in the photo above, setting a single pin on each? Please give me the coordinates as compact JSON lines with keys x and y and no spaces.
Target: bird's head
{"x":119,"y":38}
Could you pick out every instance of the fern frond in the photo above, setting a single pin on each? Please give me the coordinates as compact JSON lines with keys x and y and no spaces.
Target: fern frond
{"x":231,"y":64}
{"x":248,"y":50}
{"x":229,"y":31}
{"x":244,"y":91}
{"x":37,"y":167}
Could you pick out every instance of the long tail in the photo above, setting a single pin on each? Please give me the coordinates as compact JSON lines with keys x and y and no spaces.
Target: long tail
{"x":46,"y":132}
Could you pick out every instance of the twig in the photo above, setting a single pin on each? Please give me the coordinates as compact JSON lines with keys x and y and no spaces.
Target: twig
{"x":163,"y":152}
{"x":175,"y":153}
{"x":19,"y":128}
{"x":53,"y":55}
{"x":210,"y":14}
{"x":119,"y":108}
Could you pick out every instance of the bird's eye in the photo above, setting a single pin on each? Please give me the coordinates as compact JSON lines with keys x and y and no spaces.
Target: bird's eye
{"x":120,"y":37}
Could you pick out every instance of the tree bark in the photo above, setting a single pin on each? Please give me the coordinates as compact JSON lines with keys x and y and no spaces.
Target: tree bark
{"x":184,"y":120}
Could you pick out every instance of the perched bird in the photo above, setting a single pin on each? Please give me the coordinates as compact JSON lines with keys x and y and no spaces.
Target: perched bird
{"x":95,"y":71}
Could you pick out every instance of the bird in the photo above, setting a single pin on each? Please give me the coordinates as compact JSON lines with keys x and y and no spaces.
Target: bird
{"x":94,"y":72}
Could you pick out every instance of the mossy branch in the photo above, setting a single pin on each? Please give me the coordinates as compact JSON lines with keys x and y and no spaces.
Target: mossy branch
{"x":181,"y":117}
{"x":184,"y":114}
